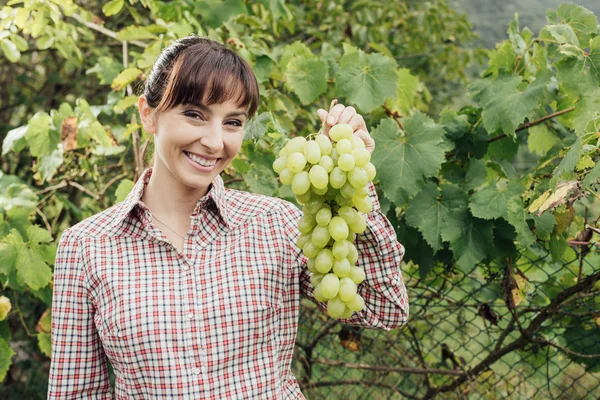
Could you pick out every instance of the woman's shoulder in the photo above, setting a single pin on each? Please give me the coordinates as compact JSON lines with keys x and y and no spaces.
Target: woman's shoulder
{"x":100,"y":224}
{"x":244,"y":204}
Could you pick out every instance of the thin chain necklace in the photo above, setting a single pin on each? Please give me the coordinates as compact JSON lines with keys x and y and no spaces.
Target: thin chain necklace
{"x":167,"y":226}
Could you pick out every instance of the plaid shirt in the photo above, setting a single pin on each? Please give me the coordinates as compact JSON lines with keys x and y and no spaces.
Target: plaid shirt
{"x":218,"y":321}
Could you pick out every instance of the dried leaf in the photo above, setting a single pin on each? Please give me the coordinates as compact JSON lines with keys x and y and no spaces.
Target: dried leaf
{"x":561,"y":196}
{"x":68,"y":133}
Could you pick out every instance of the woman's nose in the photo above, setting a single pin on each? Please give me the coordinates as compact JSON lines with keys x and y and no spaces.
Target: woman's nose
{"x":213,"y":138}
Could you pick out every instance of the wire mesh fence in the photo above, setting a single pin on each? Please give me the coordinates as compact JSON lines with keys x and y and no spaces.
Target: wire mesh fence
{"x":526,"y":329}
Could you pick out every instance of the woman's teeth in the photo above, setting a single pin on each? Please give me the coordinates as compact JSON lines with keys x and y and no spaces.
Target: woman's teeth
{"x":201,"y":161}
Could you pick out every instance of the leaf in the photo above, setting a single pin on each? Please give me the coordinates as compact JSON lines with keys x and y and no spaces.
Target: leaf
{"x":366,"y":80}
{"x":10,"y":50}
{"x":517,"y":217}
{"x":37,"y":234}
{"x":6,"y":353}
{"x":296,"y":49}
{"x":502,"y":60}
{"x":216,"y":12}
{"x":544,"y":225}
{"x":125,"y":186}
{"x":584,"y":338}
{"x":581,"y":20}
{"x":470,"y":238}
{"x":404,"y":162}
{"x":261,"y":179}
{"x":584,"y":163}
{"x":125,"y":103}
{"x":32,"y":270}
{"x":586,"y":110}
{"x":8,"y":258}
{"x":45,"y":42}
{"x":408,"y":87}
{"x":48,"y":164}
{"x":277,"y":8}
{"x":68,"y":133}
{"x":307,"y":77}
{"x":592,"y":177}
{"x":476,"y":174}
{"x":541,"y":139}
{"x":45,"y":343}
{"x":125,"y":78}
{"x":492,"y":201}
{"x":569,"y":161}
{"x":14,"y":140}
{"x":112,"y":7}
{"x":135,"y":33}
{"x":40,"y":138}
{"x":562,"y":33}
{"x":106,"y":70}
{"x":560,"y":196}
{"x":505,"y":106}
{"x":430,"y":209}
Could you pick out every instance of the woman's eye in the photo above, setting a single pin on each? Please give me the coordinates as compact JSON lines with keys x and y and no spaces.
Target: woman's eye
{"x":193,"y":114}
{"x":236,"y":122}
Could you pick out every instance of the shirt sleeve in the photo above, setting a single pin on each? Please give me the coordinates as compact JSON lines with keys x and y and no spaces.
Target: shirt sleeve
{"x":78,"y":368}
{"x":380,"y":255}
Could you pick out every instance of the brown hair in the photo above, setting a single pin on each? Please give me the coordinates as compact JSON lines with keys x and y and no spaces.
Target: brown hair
{"x":194,"y":69}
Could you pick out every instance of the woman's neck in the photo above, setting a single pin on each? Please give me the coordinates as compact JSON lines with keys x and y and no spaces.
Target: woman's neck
{"x":166,"y":197}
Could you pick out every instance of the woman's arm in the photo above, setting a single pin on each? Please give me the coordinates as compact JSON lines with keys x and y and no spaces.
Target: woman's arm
{"x":79,"y":367}
{"x":380,"y":254}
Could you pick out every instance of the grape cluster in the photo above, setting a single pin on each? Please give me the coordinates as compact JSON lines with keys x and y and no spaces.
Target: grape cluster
{"x":330,"y":177}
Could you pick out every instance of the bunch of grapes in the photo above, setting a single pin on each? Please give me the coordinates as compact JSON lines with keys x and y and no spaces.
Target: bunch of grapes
{"x":330,"y":177}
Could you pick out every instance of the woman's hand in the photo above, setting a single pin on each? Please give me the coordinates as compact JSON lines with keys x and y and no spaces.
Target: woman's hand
{"x":341,"y":114}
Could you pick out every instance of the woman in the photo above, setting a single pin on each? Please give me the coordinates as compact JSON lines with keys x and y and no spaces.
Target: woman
{"x":189,"y":289}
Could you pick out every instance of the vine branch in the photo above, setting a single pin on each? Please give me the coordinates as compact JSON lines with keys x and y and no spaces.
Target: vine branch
{"x":536,"y":122}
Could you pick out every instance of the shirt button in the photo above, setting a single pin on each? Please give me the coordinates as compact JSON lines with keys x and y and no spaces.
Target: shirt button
{"x":190,"y":315}
{"x":197,"y":371}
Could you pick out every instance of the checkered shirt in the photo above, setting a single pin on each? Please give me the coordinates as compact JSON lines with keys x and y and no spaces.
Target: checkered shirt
{"x":217,"y":321}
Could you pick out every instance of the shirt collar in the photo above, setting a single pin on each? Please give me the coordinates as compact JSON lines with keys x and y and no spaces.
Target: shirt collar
{"x":216,"y":193}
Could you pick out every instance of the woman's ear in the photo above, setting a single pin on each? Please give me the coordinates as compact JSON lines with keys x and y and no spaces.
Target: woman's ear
{"x":146,"y":115}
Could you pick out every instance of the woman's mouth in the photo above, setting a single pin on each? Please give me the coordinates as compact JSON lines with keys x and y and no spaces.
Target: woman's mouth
{"x":201,"y":161}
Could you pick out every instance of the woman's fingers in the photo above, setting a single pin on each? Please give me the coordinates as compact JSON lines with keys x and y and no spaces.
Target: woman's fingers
{"x":367,"y":139}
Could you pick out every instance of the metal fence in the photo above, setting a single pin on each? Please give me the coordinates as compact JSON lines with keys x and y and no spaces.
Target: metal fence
{"x":525,"y":330}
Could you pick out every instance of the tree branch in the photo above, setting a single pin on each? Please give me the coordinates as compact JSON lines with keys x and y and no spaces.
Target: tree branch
{"x":363,"y":383}
{"x":107,"y":32}
{"x":385,"y":368}
{"x":536,"y":122}
{"x":564,"y":349}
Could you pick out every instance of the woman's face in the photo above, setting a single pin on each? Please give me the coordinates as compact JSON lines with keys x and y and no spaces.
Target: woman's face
{"x":194,"y":143}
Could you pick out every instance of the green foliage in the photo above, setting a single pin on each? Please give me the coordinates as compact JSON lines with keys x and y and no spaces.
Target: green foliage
{"x":451,"y":182}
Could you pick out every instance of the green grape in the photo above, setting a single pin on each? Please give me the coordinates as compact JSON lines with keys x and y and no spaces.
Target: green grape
{"x":300,"y":183}
{"x":316,"y":278}
{"x":347,"y":314}
{"x":286,"y":176}
{"x":371,"y":171}
{"x":340,"y":249}
{"x":304,"y":198}
{"x":362,"y":204}
{"x":347,"y":213}
{"x":359,"y":225}
{"x":334,"y":156}
{"x":323,"y":216}
{"x":331,"y":191}
{"x":357,"y":274}
{"x":357,"y":143}
{"x":352,"y":254}
{"x":362,"y":191}
{"x":345,"y":162}
{"x":344,"y":146}
{"x":306,"y":224}
{"x":330,"y":285}
{"x":296,"y":162}
{"x":303,"y":239}
{"x":313,"y":206}
{"x":327,"y":163}
{"x":342,"y":201}
{"x":280,"y":164}
{"x":324,"y":144}
{"x":312,"y":152}
{"x":296,"y":145}
{"x":337,"y":178}
{"x":351,"y":236}
{"x":317,"y":293}
{"x":358,"y":177}
{"x":357,"y":303}
{"x":320,"y":192}
{"x":361,"y":156}
{"x":310,"y":250}
{"x":347,"y":191}
{"x":319,"y":177}
{"x":341,"y":268}
{"x":320,"y":236}
{"x":283,"y":152}
{"x":338,"y":228}
{"x":347,"y":289}
{"x":336,"y":307}
{"x":324,"y":261}
{"x":340,"y":131}
{"x":310,"y":264}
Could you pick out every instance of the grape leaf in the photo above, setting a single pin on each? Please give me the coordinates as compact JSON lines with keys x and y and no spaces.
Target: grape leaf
{"x":307,"y":77}
{"x":41,"y":139}
{"x":403,"y":162}
{"x":562,"y":33}
{"x":125,"y":78}
{"x":6,"y":353}
{"x":582,"y":21}
{"x":277,"y":8}
{"x":261,"y":179}
{"x":14,"y":140}
{"x":517,"y":217}
{"x":32,"y":270}
{"x":106,"y":69}
{"x":504,"y":105}
{"x":540,"y":139}
{"x":48,"y":164}
{"x":502,"y":60}
{"x":592,"y":177}
{"x":429,"y":210}
{"x":125,"y":186}
{"x":476,"y":174}
{"x":45,"y":343}
{"x":569,"y":161}
{"x":366,"y":80}
{"x":492,"y":201}
{"x":293,"y":50}
{"x":258,"y":126}
{"x":37,"y":234}
{"x":471,"y":239}
{"x":408,"y":86}
{"x":544,"y":225}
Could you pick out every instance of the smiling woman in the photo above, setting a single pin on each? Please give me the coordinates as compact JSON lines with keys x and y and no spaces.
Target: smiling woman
{"x":190,"y":289}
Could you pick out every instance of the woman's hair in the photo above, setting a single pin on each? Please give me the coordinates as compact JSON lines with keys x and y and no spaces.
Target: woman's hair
{"x":200,"y":70}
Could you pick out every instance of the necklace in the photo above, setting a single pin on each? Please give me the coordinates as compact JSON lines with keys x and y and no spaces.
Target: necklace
{"x":167,"y":226}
